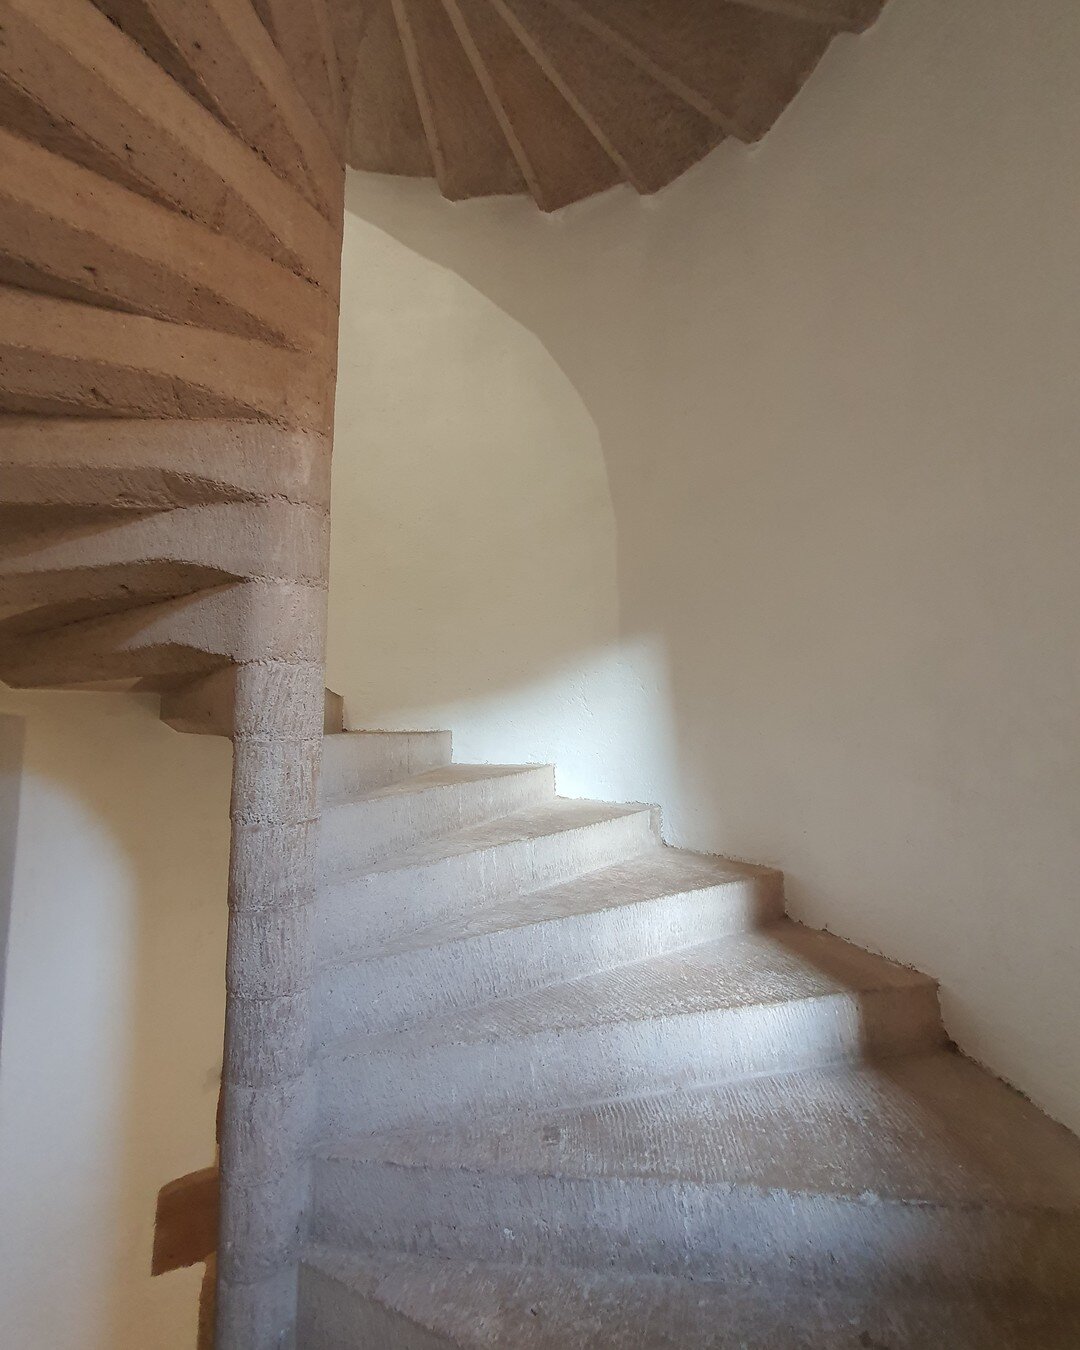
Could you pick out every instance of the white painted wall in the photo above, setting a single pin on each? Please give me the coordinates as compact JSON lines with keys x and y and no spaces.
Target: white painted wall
{"x":473,"y":561}
{"x":833,"y":383}
{"x":113,"y":1012}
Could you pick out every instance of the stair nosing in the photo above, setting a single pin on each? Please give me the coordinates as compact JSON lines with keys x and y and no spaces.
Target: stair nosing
{"x":347,"y":960}
{"x":399,"y":862}
{"x":351,"y":1044}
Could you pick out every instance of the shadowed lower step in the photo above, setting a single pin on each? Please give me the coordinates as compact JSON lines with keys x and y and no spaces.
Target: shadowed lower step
{"x":760,"y":1003}
{"x":389,"y":1302}
{"x":923,"y":1171}
{"x":580,"y":1091}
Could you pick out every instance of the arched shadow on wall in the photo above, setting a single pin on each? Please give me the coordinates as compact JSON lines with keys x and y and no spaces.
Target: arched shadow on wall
{"x":113,"y":1048}
{"x":833,"y":392}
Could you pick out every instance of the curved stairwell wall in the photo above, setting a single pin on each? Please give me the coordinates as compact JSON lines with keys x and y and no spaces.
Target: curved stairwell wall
{"x":171,"y":197}
{"x":833,"y":383}
{"x":171,"y":175}
{"x":110,"y":1048}
{"x":476,"y":508}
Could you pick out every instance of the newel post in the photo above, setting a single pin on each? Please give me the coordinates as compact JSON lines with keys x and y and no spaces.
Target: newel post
{"x":266,"y":1125}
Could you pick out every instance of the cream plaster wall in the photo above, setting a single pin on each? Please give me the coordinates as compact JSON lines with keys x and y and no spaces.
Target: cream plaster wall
{"x":833,"y":380}
{"x":473,"y":551}
{"x":113,"y":1012}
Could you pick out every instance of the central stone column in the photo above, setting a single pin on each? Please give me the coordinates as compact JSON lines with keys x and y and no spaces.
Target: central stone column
{"x":268,"y":1096}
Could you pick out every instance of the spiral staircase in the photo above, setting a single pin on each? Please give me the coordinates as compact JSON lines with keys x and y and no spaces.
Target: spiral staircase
{"x":500,"y":1069}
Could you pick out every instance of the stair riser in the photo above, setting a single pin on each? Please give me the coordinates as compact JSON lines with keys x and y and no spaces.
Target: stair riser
{"x":356,"y":913}
{"x":671,"y":1228}
{"x":415,"y":1084}
{"x":358,"y":834}
{"x":333,"y":1317}
{"x":367,"y":996}
{"x":358,"y":762}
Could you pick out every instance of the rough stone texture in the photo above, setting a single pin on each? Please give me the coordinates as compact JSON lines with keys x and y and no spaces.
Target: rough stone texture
{"x":72,"y":81}
{"x":385,"y":130}
{"x":660,"y":901}
{"x":565,"y":98}
{"x":451,"y":875}
{"x":70,"y":232}
{"x":715,"y":1012}
{"x":560,"y":158}
{"x":166,"y":554}
{"x":278,"y":715}
{"x":362,"y":761}
{"x":396,"y":1303}
{"x":57,"y":356}
{"x":156,"y":464}
{"x":578,"y":1089}
{"x":621,"y":104}
{"x":377,"y":824}
{"x":468,"y":148}
{"x":221,"y":51}
{"x":304,"y":36}
{"x":170,"y":223}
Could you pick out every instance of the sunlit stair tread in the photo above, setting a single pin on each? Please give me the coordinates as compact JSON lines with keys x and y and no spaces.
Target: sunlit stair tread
{"x":461,"y":871}
{"x":932,"y":1129}
{"x":780,"y":965}
{"x":561,"y":815}
{"x":355,"y":762}
{"x":659,"y":901}
{"x":361,"y":829}
{"x":394,"y":1302}
{"x":432,"y":780}
{"x":653,"y":876}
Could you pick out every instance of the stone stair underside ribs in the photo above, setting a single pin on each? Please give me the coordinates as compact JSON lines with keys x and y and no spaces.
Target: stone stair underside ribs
{"x":565,"y":98}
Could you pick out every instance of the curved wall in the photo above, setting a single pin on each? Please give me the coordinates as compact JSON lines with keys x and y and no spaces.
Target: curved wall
{"x":834,"y":383}
{"x":113,"y":1014}
{"x":473,"y":548}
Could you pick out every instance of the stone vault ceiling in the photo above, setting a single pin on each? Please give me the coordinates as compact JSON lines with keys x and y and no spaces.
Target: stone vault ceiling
{"x":561,"y":99}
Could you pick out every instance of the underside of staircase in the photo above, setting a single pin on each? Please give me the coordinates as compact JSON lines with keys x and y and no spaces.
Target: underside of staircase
{"x":501,"y":1069}
{"x":562,"y":99}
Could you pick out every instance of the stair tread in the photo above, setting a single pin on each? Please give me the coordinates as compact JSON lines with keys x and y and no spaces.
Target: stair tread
{"x":652,"y":876}
{"x":554,"y":817}
{"x":779,"y":964}
{"x":448,"y":776}
{"x":927,"y":1129}
{"x":488,"y":1306}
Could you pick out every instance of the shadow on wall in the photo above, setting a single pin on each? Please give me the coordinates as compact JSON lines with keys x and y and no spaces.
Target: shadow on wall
{"x":113,"y":1016}
{"x":473,"y":555}
{"x":832,"y":380}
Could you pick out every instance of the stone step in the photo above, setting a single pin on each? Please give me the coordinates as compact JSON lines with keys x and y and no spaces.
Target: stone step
{"x":174,"y":639}
{"x":356,"y":832}
{"x":662,"y":901}
{"x":154,"y":464}
{"x":620,"y":103}
{"x":925,"y":1170}
{"x":355,"y":762}
{"x":783,"y":999}
{"x":458,"y":873}
{"x":389,"y":1302}
{"x":98,"y":98}
{"x":141,"y":557}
